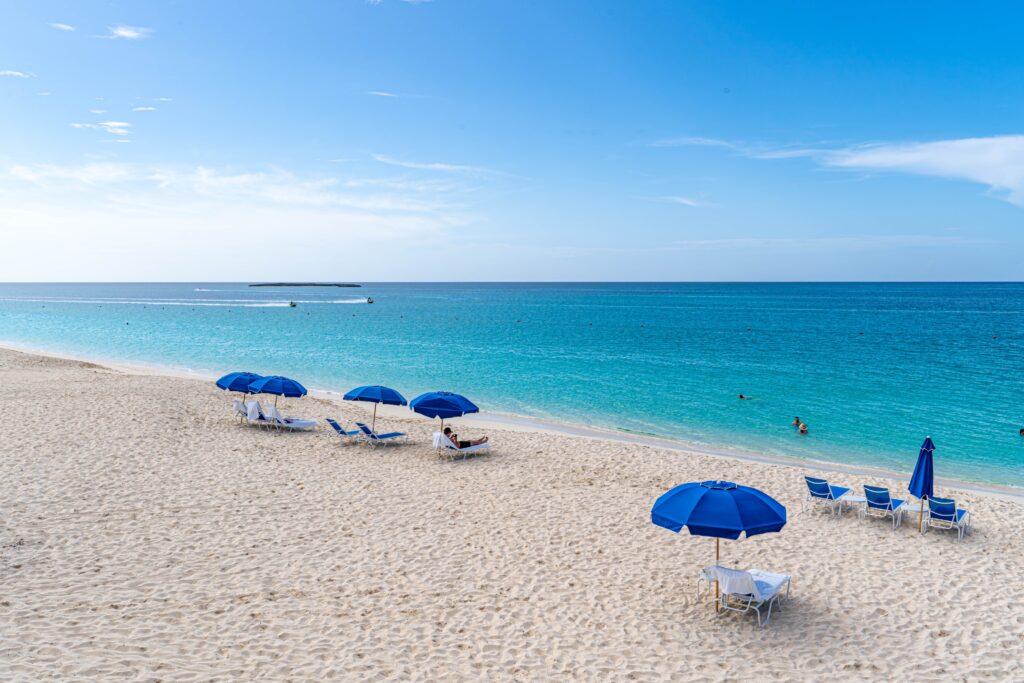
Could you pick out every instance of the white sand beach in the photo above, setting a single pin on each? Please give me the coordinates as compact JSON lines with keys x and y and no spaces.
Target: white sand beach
{"x":146,"y":535}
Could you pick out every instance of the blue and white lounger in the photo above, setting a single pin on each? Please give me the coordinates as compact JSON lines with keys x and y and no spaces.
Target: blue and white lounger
{"x":345,"y":436}
{"x":944,"y":514}
{"x":881,"y":504}
{"x":445,"y":446}
{"x":819,"y":491}
{"x":376,"y":439}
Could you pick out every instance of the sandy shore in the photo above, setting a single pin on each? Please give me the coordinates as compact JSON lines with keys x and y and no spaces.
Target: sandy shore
{"x":144,"y":535}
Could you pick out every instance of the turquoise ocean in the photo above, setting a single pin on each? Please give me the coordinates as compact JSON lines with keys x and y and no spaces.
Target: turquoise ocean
{"x":871,"y":368}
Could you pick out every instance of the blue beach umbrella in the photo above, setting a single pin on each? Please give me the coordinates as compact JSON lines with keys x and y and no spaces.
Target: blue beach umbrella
{"x":278,"y":386}
{"x":238,"y":381}
{"x":442,"y":404}
{"x":922,"y":481}
{"x":376,"y":394}
{"x":719,"y":509}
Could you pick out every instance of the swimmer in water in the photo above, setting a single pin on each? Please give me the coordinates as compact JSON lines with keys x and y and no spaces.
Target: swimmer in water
{"x":796,"y":421}
{"x":803,"y":428}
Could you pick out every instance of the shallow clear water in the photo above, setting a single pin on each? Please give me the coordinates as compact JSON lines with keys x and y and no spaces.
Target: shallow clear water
{"x":871,"y":368}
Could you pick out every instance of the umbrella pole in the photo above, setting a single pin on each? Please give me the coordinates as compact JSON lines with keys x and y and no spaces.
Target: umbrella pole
{"x":717,"y":541}
{"x":920,"y":514}
{"x":373,"y":424}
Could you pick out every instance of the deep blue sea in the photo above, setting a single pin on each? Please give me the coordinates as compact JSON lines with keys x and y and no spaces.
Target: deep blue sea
{"x":871,"y":368}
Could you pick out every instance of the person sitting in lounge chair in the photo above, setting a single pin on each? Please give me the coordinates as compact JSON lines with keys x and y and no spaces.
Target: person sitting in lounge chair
{"x":454,"y":438}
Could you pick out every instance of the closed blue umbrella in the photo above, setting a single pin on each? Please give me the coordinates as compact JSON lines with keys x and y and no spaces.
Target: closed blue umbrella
{"x":719,"y":509}
{"x":278,"y":386}
{"x":238,"y":381}
{"x":442,"y":404}
{"x":922,"y":481}
{"x":376,"y":394}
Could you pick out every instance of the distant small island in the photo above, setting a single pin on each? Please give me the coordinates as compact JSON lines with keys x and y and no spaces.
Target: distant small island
{"x":303,"y":284}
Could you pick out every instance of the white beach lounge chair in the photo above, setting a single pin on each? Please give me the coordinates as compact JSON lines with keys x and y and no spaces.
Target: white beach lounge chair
{"x":240,"y":411}
{"x":282,"y":422}
{"x":743,"y":591}
{"x":444,"y":446}
{"x":254,"y":414}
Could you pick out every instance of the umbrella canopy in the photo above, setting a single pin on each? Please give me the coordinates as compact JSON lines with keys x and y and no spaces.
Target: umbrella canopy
{"x":376,"y":394}
{"x":922,"y":482}
{"x":720,"y":509}
{"x":238,"y":381}
{"x":277,"y":385}
{"x":442,"y":404}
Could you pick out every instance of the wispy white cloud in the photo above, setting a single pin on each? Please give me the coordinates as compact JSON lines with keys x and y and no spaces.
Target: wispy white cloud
{"x":995,"y":161}
{"x":62,"y":27}
{"x":694,"y":142}
{"x":97,"y":111}
{"x":143,"y":108}
{"x":405,"y":184}
{"x":850,"y":242}
{"x":275,"y":186}
{"x":176,"y":218}
{"x":112,"y":127}
{"x":164,"y":99}
{"x":10,"y":73}
{"x":87,"y":174}
{"x":43,"y":94}
{"x":127,"y":32}
{"x":381,"y":93}
{"x":685,"y":201}
{"x":431,"y":166}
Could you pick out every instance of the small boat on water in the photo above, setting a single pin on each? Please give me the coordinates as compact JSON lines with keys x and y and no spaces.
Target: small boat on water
{"x":292,"y":304}
{"x":369,"y":299}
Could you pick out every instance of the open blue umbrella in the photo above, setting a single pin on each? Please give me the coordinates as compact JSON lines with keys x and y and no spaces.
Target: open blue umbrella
{"x":278,"y":386}
{"x":442,"y":404}
{"x":238,"y":381}
{"x":922,"y":481}
{"x":719,"y":509}
{"x":376,"y":394}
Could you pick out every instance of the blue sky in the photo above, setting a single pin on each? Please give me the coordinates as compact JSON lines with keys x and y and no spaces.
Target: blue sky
{"x":469,"y":140}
